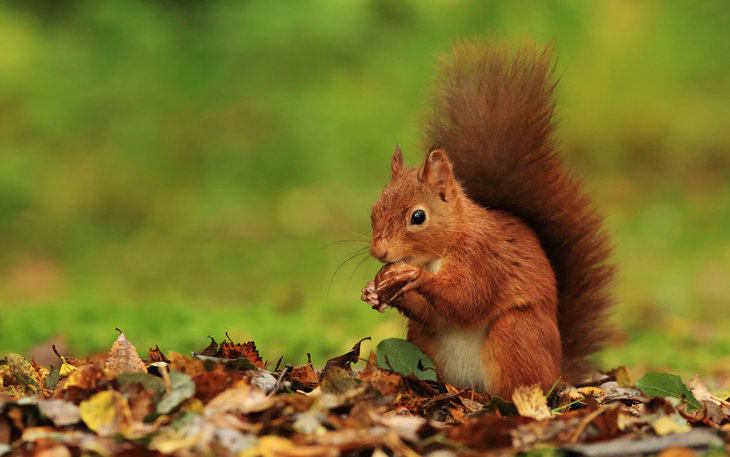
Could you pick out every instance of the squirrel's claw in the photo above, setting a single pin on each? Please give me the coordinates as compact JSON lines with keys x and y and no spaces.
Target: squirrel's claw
{"x":402,"y":273}
{"x":370,"y":296}
{"x":396,"y":281}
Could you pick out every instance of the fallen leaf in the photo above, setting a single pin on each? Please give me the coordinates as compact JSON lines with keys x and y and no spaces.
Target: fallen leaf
{"x":189,"y":433}
{"x":305,"y":375}
{"x":54,"y":375}
{"x":189,"y":366}
{"x":106,"y":413}
{"x":700,"y":391}
{"x":531,"y":402}
{"x":181,"y":388}
{"x":156,"y":355}
{"x":231,"y":350}
{"x":211,"y":350}
{"x":208,"y":384}
{"x":668,"y":385}
{"x":66,"y":368}
{"x":337,"y":380}
{"x":384,"y":381}
{"x":666,"y":425}
{"x":677,"y":451}
{"x":406,"y":426}
{"x":60,"y":412}
{"x":242,"y":400}
{"x":40,"y":374}
{"x":144,"y":380}
{"x":344,"y":361}
{"x":405,"y":358}
{"x":622,"y":376}
{"x":123,"y":358}
{"x":591,"y":391}
{"x":17,"y":377}
{"x":84,"y":377}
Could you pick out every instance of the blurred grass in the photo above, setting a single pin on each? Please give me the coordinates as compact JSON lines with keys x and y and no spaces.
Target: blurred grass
{"x":182,"y":169}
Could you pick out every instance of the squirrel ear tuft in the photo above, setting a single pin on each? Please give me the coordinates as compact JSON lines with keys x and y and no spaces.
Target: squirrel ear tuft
{"x":437,"y":171}
{"x":396,"y":163}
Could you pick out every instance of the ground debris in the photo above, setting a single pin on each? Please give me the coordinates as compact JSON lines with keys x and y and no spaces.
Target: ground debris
{"x":223,"y":401}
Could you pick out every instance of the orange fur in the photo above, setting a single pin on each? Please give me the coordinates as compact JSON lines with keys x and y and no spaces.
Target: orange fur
{"x":504,"y":277}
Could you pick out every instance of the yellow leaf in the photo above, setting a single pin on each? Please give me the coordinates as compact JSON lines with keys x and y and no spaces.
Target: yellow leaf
{"x":192,"y":405}
{"x":17,"y":377}
{"x":268,"y":446}
{"x":591,"y":391}
{"x":623,"y":378}
{"x":666,"y":425}
{"x":531,"y":402}
{"x":84,"y":377}
{"x":107,"y":413}
{"x":65,"y":369}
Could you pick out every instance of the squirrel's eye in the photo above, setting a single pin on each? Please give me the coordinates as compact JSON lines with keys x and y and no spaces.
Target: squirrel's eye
{"x":418,"y":217}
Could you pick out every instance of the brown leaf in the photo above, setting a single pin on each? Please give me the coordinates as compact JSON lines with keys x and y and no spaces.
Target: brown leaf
{"x":230,"y":350}
{"x":211,"y":350}
{"x":384,"y":381}
{"x":156,"y":355}
{"x":123,"y":358}
{"x":5,"y":431}
{"x":337,"y":380}
{"x":189,"y":366}
{"x":344,"y":361}
{"x":40,"y":373}
{"x":208,"y":384}
{"x":487,"y":432}
{"x":305,"y":374}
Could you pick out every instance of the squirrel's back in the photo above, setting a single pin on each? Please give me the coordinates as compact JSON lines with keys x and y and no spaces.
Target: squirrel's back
{"x":492,"y":115}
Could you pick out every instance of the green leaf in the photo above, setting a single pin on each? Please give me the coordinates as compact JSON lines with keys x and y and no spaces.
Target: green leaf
{"x":52,"y":378}
{"x":181,"y":388}
{"x":405,"y":358}
{"x":506,"y":408}
{"x":147,"y":381}
{"x":668,"y":385}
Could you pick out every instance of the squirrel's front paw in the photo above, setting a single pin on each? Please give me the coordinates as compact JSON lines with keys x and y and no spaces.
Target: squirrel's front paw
{"x":396,"y":280}
{"x":370,"y":296}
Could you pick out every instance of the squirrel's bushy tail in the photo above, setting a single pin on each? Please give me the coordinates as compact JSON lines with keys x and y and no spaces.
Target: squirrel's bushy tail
{"x":492,"y":115}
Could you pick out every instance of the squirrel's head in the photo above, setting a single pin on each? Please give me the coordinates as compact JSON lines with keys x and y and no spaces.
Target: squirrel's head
{"x":418,"y":212}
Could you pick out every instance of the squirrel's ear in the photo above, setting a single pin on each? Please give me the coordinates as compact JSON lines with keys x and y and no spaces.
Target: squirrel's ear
{"x":396,"y":163}
{"x":437,"y":171}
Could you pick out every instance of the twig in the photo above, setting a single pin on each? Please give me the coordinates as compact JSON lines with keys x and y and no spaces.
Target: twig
{"x":277,"y":385}
{"x":278,"y":362}
{"x":584,"y":423}
{"x":595,"y":382}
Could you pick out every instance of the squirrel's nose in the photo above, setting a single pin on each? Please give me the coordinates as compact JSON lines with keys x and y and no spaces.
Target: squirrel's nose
{"x":378,"y":251}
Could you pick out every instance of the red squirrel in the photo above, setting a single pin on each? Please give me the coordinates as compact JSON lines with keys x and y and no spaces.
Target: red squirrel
{"x":491,"y":249}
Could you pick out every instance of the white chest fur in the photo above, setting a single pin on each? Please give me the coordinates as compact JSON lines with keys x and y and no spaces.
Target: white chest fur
{"x":458,"y":356}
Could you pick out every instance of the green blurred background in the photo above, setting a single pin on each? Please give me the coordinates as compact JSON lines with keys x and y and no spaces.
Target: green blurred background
{"x":183,"y":168}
